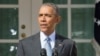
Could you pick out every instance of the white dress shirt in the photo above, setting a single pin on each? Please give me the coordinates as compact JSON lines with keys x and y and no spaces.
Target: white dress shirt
{"x":43,"y":37}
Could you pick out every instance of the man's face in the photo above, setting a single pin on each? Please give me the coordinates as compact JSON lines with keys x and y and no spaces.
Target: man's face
{"x":47,"y":19}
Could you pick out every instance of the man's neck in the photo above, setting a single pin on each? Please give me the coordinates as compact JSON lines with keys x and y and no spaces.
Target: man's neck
{"x":48,"y":33}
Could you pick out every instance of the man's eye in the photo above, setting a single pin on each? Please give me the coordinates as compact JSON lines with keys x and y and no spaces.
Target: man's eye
{"x":48,"y":15}
{"x":40,"y":15}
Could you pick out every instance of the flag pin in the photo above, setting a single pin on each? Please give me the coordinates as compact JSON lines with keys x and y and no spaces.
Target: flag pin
{"x":60,"y":44}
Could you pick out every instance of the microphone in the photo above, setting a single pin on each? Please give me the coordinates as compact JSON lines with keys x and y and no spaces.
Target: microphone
{"x":54,"y":53}
{"x":43,"y":52}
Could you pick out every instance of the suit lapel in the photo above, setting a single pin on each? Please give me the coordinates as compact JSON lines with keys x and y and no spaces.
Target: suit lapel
{"x":59,"y":44}
{"x":36,"y":46}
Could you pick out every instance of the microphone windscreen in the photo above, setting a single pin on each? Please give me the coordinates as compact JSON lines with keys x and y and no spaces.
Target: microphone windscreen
{"x":43,"y":52}
{"x":55,"y":52}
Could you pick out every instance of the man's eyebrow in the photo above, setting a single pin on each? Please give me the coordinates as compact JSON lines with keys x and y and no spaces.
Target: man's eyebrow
{"x":46,"y":14}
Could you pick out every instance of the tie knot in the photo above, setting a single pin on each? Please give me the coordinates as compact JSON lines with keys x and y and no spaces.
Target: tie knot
{"x":48,"y":39}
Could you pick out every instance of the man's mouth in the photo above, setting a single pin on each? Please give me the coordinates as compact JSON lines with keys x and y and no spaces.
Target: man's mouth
{"x":43,"y":25}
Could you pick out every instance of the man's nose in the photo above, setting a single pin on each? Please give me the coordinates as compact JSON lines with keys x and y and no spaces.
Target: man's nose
{"x":43,"y":19}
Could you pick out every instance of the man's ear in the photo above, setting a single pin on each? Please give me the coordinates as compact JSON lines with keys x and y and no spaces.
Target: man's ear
{"x":58,"y":19}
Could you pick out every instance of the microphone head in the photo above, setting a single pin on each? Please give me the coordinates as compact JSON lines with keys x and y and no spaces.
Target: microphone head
{"x":43,"y":52}
{"x":55,"y":52}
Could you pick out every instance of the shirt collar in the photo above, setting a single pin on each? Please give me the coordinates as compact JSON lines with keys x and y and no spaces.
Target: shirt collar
{"x":51,"y":36}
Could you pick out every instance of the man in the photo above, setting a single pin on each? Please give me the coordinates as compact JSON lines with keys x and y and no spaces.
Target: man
{"x":48,"y":19}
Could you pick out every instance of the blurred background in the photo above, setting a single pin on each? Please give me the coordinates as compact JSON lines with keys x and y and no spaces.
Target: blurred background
{"x":18,"y":20}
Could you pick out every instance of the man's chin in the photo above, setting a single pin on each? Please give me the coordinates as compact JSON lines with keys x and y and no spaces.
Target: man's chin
{"x":44,"y":30}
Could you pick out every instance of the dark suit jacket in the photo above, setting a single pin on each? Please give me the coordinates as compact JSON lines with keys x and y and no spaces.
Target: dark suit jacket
{"x":31,"y":46}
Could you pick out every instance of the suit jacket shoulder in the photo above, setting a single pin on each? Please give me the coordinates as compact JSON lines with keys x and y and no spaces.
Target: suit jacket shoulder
{"x":33,"y":37}
{"x":29,"y":46}
{"x":64,"y":39}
